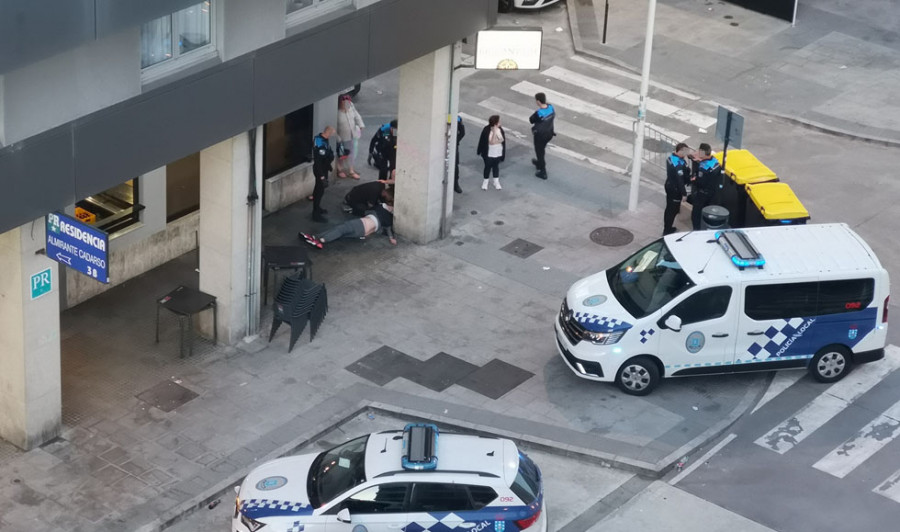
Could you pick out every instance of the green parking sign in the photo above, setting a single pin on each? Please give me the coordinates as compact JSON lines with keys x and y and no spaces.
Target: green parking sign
{"x":41,"y":283}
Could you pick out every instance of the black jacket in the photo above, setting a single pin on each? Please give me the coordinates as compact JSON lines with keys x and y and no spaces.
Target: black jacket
{"x":677,"y":174}
{"x":460,"y":131}
{"x":483,"y":142}
{"x":383,"y":147}
{"x":709,"y":176}
{"x":366,"y":194}
{"x":542,"y":122}
{"x":323,"y":156}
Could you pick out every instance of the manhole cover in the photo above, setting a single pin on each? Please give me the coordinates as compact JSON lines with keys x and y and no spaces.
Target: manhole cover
{"x":611,"y":236}
{"x":521,"y":248}
{"x":167,"y":396}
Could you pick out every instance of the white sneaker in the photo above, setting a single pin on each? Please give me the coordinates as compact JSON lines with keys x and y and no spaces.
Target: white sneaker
{"x":484,"y":184}
{"x":497,"y":183}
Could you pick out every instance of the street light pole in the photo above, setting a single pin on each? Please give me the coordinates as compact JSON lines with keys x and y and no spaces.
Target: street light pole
{"x":642,"y":111}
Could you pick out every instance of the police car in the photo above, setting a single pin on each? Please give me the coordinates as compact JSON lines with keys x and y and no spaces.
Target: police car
{"x":412,"y":480}
{"x":708,"y":302}
{"x":507,"y":5}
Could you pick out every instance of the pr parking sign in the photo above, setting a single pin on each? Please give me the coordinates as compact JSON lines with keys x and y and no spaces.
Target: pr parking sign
{"x":78,"y":246}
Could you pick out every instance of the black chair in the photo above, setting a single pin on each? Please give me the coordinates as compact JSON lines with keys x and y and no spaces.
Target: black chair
{"x":278,"y":258}
{"x":298,"y":302}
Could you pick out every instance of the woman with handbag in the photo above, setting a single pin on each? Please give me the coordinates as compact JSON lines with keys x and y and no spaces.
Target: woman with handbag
{"x":349,"y":129}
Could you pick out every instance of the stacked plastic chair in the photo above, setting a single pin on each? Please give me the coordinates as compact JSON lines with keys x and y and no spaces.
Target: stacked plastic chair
{"x":299,"y":301}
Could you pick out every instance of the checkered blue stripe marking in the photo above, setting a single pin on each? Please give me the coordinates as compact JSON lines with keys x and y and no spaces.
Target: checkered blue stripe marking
{"x":296,"y":527}
{"x":646,"y":334}
{"x":595,"y":323}
{"x":256,"y":508}
{"x":773,"y":339}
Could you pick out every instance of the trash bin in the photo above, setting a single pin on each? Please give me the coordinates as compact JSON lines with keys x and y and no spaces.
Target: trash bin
{"x":773,"y":204}
{"x":714,"y":217}
{"x":741,"y":168}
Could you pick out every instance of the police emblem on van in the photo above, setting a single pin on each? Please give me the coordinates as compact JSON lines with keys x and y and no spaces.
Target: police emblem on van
{"x":851,"y":334}
{"x":695,"y":342}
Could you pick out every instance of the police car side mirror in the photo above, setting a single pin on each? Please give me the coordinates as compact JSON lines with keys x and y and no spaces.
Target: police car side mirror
{"x":344,"y":516}
{"x":673,"y":322}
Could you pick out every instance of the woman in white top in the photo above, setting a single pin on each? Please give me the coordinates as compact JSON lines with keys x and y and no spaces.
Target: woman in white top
{"x":492,"y":148}
{"x":349,"y":129}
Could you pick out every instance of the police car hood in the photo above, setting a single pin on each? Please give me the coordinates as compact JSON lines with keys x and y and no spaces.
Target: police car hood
{"x":277,"y":488}
{"x":593,"y":305}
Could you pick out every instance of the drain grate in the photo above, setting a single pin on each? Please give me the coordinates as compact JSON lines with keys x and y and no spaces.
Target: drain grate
{"x":521,"y":248}
{"x":167,"y":396}
{"x":611,"y":236}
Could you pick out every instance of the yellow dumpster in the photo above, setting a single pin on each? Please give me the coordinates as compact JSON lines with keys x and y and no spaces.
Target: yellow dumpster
{"x":773,"y":204}
{"x":741,"y":168}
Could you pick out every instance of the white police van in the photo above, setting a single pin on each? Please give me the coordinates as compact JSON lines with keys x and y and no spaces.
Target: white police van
{"x":413,"y":480}
{"x":705,"y":302}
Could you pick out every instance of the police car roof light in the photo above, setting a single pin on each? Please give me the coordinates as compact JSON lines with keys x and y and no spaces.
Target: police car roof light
{"x":420,"y":446}
{"x":739,"y":248}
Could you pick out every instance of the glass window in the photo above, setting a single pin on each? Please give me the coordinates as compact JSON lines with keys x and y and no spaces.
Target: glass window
{"x":482,"y":496}
{"x":182,"y":187}
{"x":780,"y":301}
{"x":303,"y":10}
{"x":836,"y":297}
{"x":297,"y":5}
{"x":337,"y":471}
{"x":707,"y":304}
{"x":648,"y":280}
{"x":172,"y":36}
{"x":287,"y":141}
{"x":113,"y":209}
{"x":527,"y":484}
{"x":383,"y":499}
{"x":440,"y":497}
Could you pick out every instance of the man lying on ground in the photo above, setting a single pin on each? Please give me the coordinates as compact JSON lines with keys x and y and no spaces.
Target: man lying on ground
{"x":380,"y":220}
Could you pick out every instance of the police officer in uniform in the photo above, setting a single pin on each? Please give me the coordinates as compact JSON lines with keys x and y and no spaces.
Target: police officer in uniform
{"x":323,"y":156}
{"x":383,"y":149}
{"x":677,"y":173}
{"x":460,"y":133}
{"x":542,"y":128}
{"x":707,"y":179}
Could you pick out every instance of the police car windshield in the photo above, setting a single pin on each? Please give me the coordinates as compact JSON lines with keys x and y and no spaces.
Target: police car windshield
{"x":336,"y":471}
{"x":648,"y":280}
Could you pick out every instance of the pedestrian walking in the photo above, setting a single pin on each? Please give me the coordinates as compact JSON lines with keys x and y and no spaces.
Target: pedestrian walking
{"x":349,"y":129}
{"x":677,"y":173}
{"x":542,"y":129}
{"x":383,"y":148}
{"x":323,"y":156}
{"x":460,"y":133}
{"x":492,"y":149}
{"x":707,"y":179}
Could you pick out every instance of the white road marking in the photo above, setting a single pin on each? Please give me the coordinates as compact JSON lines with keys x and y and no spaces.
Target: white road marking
{"x":583,"y":134}
{"x":856,"y":450}
{"x":829,"y":403}
{"x":782,"y":381}
{"x":589,"y":109}
{"x":628,"y":96}
{"x":702,"y":460}
{"x":890,"y":488}
{"x":635,"y":77}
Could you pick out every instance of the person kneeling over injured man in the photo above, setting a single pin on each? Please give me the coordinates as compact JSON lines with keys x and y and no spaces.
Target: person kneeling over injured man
{"x":382,"y":219}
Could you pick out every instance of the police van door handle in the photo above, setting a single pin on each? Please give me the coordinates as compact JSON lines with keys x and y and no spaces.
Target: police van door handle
{"x":720,"y":335}
{"x":754,"y":333}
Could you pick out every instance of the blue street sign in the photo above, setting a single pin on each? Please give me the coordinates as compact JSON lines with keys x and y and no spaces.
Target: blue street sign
{"x":78,"y":246}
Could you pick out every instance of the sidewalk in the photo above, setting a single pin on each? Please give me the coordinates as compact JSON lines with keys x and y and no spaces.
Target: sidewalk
{"x":837,"y":70}
{"x":457,"y":331}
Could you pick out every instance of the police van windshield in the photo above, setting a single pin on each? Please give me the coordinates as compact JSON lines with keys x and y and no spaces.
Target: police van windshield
{"x":336,"y":471}
{"x":648,"y":280}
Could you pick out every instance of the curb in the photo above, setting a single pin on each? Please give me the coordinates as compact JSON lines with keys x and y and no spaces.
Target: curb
{"x":794,"y":119}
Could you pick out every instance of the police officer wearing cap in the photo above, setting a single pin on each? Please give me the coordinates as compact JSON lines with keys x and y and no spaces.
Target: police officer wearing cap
{"x":677,"y":173}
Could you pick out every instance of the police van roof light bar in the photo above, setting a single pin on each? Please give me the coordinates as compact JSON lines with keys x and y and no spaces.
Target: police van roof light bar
{"x":420,"y":446}
{"x":739,"y":248}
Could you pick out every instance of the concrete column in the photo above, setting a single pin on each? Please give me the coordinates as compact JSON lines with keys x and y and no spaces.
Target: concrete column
{"x":30,"y":385}
{"x":422,"y":185}
{"x":227,"y":256}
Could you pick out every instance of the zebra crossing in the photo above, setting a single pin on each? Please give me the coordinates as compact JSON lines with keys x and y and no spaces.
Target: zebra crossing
{"x":874,"y":437}
{"x":596,"y":106}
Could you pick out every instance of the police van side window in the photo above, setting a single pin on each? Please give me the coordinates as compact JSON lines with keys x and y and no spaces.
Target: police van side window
{"x":381,"y":499}
{"x":482,"y":496}
{"x":781,"y":301}
{"x":707,"y":304}
{"x":851,"y":295}
{"x":440,"y":497}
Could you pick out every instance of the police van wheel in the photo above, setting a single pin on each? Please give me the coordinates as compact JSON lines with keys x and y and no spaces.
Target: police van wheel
{"x":638,"y":376}
{"x":830,"y":364}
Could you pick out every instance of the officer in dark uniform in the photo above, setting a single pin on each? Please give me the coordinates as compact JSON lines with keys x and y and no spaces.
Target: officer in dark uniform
{"x":707,"y":179}
{"x":542,"y":129}
{"x":460,"y":133}
{"x":383,"y":148}
{"x":323,"y":156}
{"x":677,"y":173}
